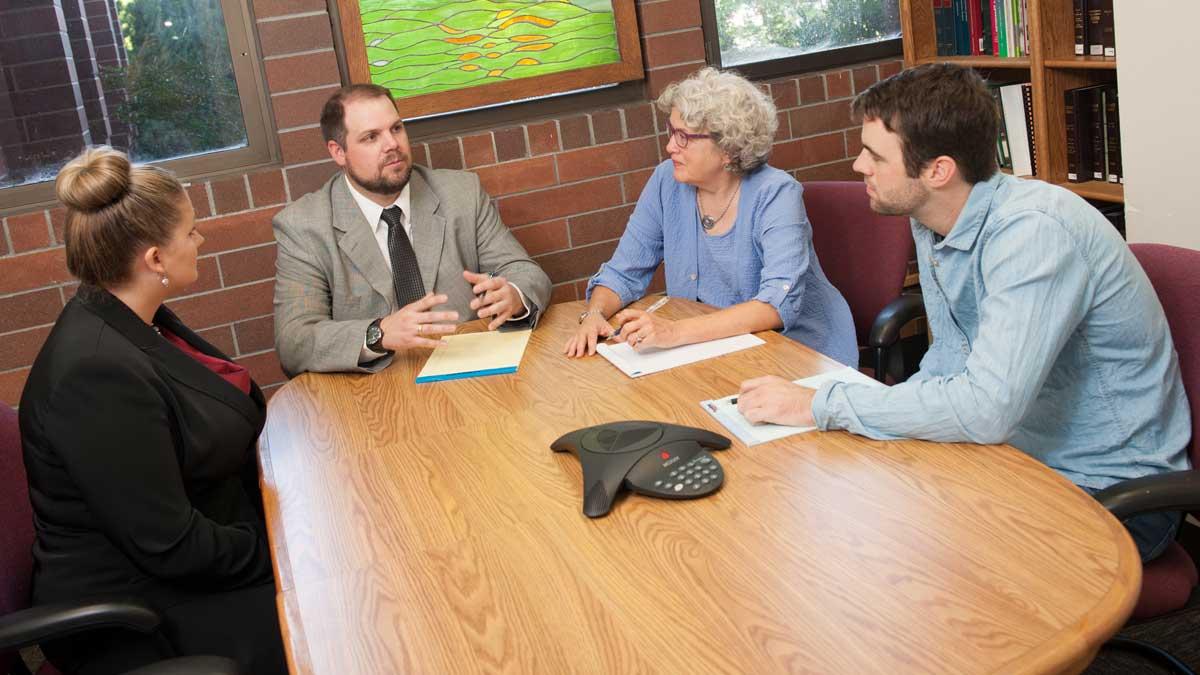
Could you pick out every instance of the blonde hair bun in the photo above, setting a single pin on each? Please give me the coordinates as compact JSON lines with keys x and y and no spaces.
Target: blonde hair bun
{"x":96,"y":179}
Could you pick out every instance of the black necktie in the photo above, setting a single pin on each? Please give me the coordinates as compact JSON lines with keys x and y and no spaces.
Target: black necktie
{"x":406,"y":274}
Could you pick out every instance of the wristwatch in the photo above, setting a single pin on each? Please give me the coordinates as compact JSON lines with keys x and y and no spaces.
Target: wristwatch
{"x":375,"y":337}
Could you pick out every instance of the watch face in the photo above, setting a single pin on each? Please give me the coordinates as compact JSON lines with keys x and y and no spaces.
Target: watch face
{"x":374,"y":335}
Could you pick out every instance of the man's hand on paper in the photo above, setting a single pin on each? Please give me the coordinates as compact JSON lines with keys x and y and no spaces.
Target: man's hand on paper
{"x":645,"y":329}
{"x":776,"y":400}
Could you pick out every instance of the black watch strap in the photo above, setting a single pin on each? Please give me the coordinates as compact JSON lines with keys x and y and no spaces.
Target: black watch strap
{"x":375,"y":337}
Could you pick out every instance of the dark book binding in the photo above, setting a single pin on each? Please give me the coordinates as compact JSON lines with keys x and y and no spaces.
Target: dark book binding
{"x":1003,"y":155}
{"x":985,"y":28}
{"x":1108,"y":35}
{"x":1095,"y":105}
{"x":1095,"y":29}
{"x":1027,"y":95}
{"x":1112,"y":135}
{"x":943,"y":22}
{"x":1081,"y":46}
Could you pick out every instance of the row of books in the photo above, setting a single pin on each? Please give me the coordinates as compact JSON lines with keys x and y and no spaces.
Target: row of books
{"x":982,"y":27}
{"x":1094,"y":35}
{"x":1014,"y":145}
{"x":1093,"y":134}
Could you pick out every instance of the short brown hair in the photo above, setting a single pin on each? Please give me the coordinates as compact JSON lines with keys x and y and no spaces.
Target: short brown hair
{"x":333,"y":115}
{"x":937,"y":109}
{"x":114,"y":209}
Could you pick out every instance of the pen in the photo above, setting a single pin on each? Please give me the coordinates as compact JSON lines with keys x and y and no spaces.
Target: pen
{"x":661,"y":301}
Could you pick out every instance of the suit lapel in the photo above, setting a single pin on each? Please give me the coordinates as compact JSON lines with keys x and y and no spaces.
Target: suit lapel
{"x":356,"y":239}
{"x":428,"y":227}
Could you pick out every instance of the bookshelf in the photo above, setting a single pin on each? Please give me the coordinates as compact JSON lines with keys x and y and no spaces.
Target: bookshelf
{"x":1051,"y":67}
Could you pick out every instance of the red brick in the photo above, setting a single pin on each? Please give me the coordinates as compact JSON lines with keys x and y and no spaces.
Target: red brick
{"x":812,"y":89}
{"x":29,"y":231}
{"x":208,"y":278}
{"x":822,"y":118}
{"x":33,"y":270}
{"x":864,"y":77}
{"x":633,"y":183}
{"x":220,"y":337}
{"x":198,"y":194}
{"x":837,"y":84}
{"x":302,"y":71}
{"x":269,"y":391}
{"x":478,"y":150}
{"x":251,"y":264}
{"x":305,"y":179}
{"x":420,"y":154}
{"x":11,"y":384}
{"x":445,"y":154}
{"x":68,"y":291}
{"x":510,"y":144}
{"x":230,"y":195}
{"x":300,"y":108}
{"x":581,"y":287}
{"x":600,"y":161}
{"x":889,"y":69}
{"x":267,"y":188}
{"x":639,"y":121}
{"x":225,"y":306}
{"x":783,"y":128}
{"x":20,"y":349}
{"x":657,"y":80}
{"x":606,"y":126}
{"x":808,"y":151}
{"x":543,"y":237}
{"x":659,"y":17}
{"x":563,"y":293}
{"x":576,"y":263}
{"x":27,"y":310}
{"x":853,"y":142}
{"x":591,"y":228}
{"x":289,"y":36}
{"x":264,"y":9}
{"x":255,"y":335}
{"x":576,"y":132}
{"x":244,"y":229}
{"x":520,"y":176}
{"x":264,"y":368}
{"x":785,"y":94}
{"x":666,"y":50}
{"x":543,"y":137}
{"x":836,"y":171}
{"x":301,"y":145}
{"x":533,"y":207}
{"x":58,"y":223}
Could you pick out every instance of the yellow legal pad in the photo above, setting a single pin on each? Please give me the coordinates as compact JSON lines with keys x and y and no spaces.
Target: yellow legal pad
{"x":475,"y":355}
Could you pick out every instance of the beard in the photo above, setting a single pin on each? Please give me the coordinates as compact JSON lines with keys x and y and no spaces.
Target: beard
{"x":902,"y":203}
{"x":382,"y":184}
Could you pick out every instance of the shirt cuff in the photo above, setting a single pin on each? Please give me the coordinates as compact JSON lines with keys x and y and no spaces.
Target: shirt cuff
{"x":820,"y":405}
{"x":524,"y":304}
{"x":367,"y":355}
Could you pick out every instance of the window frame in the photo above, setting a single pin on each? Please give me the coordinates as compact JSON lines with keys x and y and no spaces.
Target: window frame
{"x":792,"y":65}
{"x":261,"y":150}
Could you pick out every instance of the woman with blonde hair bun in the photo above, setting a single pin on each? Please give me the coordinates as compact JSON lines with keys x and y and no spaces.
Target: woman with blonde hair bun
{"x":730,"y":229}
{"x":139,"y":439}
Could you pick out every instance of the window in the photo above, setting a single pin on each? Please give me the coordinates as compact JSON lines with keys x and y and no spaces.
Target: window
{"x":173,"y":82}
{"x":773,"y":37}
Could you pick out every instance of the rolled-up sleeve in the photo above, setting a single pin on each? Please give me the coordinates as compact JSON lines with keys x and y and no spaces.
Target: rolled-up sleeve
{"x":640,"y":250}
{"x":784,"y":238}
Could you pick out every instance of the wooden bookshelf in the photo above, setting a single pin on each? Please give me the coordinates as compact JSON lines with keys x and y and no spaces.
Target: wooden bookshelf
{"x":1053,"y":68}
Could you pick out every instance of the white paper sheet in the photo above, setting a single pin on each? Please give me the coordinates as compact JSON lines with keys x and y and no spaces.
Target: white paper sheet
{"x":652,"y":360}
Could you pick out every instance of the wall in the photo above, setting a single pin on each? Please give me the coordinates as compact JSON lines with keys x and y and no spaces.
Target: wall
{"x":1159,"y":139}
{"x":565,"y":185}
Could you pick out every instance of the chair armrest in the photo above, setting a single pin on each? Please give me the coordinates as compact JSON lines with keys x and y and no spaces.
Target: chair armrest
{"x":31,"y":626}
{"x":885,"y":332}
{"x":190,"y":665}
{"x":1174,"y":491}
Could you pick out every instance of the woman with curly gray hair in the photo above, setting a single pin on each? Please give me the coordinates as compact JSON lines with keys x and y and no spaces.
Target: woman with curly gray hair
{"x":731,"y":229}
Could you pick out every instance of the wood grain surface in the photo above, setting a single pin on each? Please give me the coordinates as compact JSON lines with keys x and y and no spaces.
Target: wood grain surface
{"x":429,"y":528}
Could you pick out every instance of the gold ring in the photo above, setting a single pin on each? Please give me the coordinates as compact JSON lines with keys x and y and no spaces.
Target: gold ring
{"x":420,"y":328}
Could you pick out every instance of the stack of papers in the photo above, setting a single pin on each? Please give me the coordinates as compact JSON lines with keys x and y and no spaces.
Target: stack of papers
{"x":653,"y":360}
{"x":726,"y":412}
{"x":475,"y":355}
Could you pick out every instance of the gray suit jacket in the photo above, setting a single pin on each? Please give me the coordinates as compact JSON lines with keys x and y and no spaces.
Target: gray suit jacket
{"x":331,"y":279}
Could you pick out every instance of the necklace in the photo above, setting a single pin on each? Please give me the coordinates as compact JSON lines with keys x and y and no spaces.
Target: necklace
{"x":708,"y":222}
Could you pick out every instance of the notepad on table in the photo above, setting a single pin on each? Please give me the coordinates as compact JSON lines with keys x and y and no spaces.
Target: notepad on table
{"x":475,"y":355}
{"x":652,"y":360}
{"x":726,"y":412}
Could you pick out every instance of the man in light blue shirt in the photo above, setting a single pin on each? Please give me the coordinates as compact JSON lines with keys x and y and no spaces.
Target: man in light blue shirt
{"x":1047,"y":333}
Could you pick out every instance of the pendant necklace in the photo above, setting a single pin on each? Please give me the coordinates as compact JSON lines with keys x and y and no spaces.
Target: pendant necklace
{"x":709,"y":222}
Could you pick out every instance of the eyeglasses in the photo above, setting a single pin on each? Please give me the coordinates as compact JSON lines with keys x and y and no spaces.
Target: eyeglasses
{"x":682,"y":137}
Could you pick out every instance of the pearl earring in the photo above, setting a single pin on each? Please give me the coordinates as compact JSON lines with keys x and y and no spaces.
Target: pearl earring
{"x":164,"y":281}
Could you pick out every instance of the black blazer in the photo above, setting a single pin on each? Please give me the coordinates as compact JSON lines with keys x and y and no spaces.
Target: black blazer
{"x":141,"y":461}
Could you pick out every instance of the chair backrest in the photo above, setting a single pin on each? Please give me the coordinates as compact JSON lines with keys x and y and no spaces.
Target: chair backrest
{"x":16,"y":522}
{"x":1175,"y":274}
{"x":864,"y":255}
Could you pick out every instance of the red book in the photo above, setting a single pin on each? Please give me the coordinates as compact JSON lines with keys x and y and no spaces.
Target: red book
{"x":975,"y":22}
{"x":995,"y":30}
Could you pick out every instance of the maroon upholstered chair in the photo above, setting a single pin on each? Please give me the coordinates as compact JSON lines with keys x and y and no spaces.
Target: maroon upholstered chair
{"x":1168,"y":580}
{"x":22,"y":626}
{"x":865,"y":256}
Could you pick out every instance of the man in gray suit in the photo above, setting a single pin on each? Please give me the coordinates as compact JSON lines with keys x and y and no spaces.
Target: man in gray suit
{"x":386,"y":256}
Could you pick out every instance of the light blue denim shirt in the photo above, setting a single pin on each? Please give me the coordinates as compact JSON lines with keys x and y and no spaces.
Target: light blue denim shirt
{"x":771,"y":258}
{"x":1047,"y":336}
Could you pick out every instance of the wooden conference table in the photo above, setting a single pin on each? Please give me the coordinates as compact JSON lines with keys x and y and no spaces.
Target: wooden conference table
{"x":429,"y":529}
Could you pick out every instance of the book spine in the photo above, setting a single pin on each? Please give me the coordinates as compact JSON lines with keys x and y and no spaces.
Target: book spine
{"x":1004,"y":155}
{"x":985,"y":28}
{"x":996,"y":30}
{"x":1072,"y":141}
{"x":1027,"y":97}
{"x":943,"y":21}
{"x":1002,"y":27}
{"x":1106,"y":28}
{"x":973,"y":19}
{"x":1080,"y":26}
{"x":1095,"y":29}
{"x":962,"y":28}
{"x":1112,"y":135}
{"x":1096,"y":133}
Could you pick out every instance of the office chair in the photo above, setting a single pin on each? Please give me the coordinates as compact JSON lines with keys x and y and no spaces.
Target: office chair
{"x":865,"y":256}
{"x":1168,"y":580}
{"x":24,"y":626}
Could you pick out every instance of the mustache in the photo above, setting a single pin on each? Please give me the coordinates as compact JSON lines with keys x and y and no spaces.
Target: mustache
{"x":395,"y":157}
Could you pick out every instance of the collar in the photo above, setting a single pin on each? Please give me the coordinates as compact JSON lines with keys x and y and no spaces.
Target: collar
{"x":374,"y":212}
{"x":970,"y":222}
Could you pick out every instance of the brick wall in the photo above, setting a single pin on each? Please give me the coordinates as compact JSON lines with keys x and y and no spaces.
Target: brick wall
{"x":565,"y":185}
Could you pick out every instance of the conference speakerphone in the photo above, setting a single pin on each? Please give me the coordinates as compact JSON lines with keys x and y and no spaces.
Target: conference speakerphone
{"x":651,"y":458}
